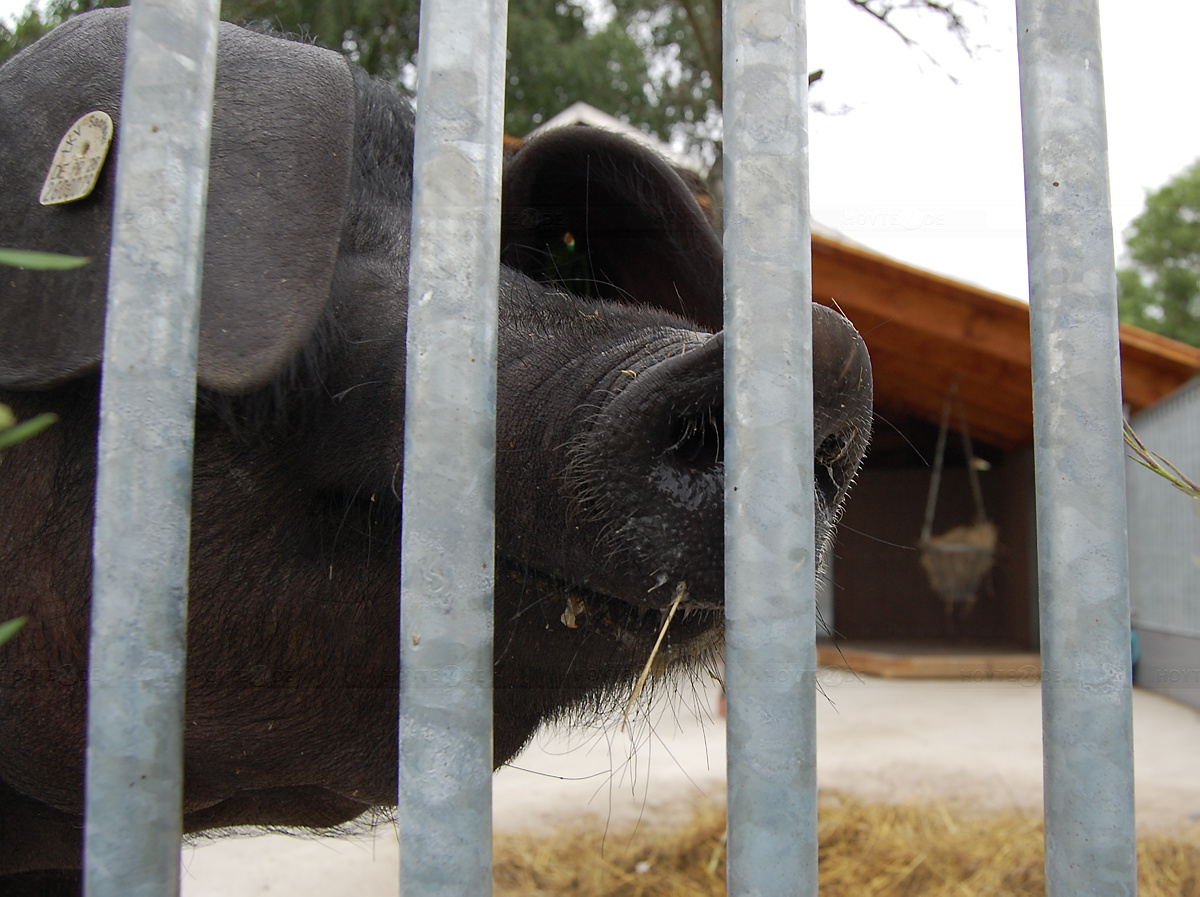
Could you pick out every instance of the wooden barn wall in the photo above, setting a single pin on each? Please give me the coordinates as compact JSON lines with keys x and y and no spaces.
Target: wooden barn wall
{"x":881,"y":592}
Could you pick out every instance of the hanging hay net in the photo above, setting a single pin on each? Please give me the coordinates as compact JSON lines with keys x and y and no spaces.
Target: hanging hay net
{"x":957,"y":560}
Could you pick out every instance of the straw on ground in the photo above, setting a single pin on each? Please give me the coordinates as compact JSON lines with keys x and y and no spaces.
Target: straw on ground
{"x":892,"y":850}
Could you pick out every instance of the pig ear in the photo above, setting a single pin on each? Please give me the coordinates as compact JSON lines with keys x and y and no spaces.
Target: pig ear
{"x":283,"y":124}
{"x":604,"y":217}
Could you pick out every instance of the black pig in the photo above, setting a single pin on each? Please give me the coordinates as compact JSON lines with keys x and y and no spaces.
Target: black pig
{"x":609,"y":484}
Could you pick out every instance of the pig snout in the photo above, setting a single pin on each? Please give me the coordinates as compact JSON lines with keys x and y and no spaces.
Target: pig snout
{"x":645,"y":477}
{"x":842,"y":413}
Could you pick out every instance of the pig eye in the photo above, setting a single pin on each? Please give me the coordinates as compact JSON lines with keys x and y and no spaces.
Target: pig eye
{"x":565,"y":261}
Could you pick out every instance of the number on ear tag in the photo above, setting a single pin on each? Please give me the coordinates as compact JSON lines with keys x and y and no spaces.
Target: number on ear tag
{"x":79,"y":160}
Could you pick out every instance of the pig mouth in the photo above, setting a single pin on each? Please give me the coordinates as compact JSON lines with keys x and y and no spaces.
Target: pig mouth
{"x":693,"y":632}
{"x":631,"y":626}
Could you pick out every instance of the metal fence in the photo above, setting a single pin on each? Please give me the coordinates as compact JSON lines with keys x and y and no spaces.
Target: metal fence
{"x":136,"y":674}
{"x":144,"y":481}
{"x":1083,"y":579}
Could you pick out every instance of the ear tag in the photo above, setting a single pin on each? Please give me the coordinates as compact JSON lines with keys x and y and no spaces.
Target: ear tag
{"x":79,"y":160}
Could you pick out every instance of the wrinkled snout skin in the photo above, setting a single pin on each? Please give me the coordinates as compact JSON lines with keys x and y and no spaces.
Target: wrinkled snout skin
{"x":609,"y":471}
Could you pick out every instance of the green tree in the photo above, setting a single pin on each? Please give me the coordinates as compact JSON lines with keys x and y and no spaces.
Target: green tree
{"x":555,"y":56}
{"x":681,"y":43}
{"x":380,"y":35}
{"x":1160,"y":291}
{"x":28,"y":27}
{"x":654,"y":63}
{"x":558,"y":58}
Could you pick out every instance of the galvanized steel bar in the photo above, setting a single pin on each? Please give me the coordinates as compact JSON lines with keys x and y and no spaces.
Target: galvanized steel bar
{"x":770,"y":589}
{"x":1078,"y":454}
{"x":449,"y":466}
{"x":134,"y":802}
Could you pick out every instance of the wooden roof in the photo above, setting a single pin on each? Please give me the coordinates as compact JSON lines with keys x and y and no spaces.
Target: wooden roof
{"x":925,"y":332}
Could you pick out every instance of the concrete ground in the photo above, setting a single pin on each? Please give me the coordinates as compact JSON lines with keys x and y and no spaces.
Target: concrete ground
{"x":977,"y":743}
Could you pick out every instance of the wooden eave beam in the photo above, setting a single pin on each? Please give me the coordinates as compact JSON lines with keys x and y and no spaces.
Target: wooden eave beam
{"x":947,"y":325}
{"x":998,"y":412}
{"x":1153,"y":365}
{"x":853,"y":278}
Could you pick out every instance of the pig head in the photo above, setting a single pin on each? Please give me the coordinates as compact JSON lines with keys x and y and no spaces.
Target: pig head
{"x":610,"y":484}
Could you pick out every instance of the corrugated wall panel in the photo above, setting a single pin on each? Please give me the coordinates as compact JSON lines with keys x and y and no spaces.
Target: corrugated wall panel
{"x":1164,"y":525}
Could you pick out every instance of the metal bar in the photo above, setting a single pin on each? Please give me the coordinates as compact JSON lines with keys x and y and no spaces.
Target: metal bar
{"x":450,"y":437}
{"x":1079,"y":460}
{"x":134,"y":801}
{"x":770,"y":589}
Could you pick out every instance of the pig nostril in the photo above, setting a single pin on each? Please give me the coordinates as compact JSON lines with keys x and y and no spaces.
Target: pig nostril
{"x":695,"y":442}
{"x":835,"y":461}
{"x":834,"y":448}
{"x":696,"y":439}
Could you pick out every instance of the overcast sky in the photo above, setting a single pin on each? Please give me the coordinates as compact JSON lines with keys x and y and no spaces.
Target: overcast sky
{"x":928,"y":171}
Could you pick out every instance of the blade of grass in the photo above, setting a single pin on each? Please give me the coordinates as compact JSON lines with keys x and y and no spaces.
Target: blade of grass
{"x":41,"y":261}
{"x":9,"y":628}
{"x":25,"y":430}
{"x":1158,"y":464}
